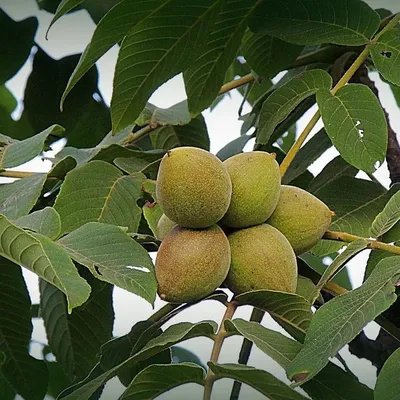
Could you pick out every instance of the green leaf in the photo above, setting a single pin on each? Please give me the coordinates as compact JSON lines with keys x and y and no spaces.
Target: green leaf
{"x":305,"y":288}
{"x":287,"y":97}
{"x":158,"y":379}
{"x":58,"y":380}
{"x":309,"y":153}
{"x":112,"y":257}
{"x":19,"y":152}
{"x":63,"y":8}
{"x":312,"y":22}
{"x":373,"y":260}
{"x":337,"y":167}
{"x":98,"y":191}
{"x":62,"y":167}
{"x":46,"y":222}
{"x":19,"y":197}
{"x":293,"y":311}
{"x":172,"y":335}
{"x":7,"y":392}
{"x":267,"y":55}
{"x":193,"y":134}
{"x":109,"y":31}
{"x":27,"y":375}
{"x":386,"y":55}
{"x":233,"y":148}
{"x":386,"y":219}
{"x":356,"y":124}
{"x":18,"y":37}
{"x":356,"y":203}
{"x":181,"y":355}
{"x":75,"y":339}
{"x":45,"y":258}
{"x":204,"y":78}
{"x":262,"y":381}
{"x":152,"y":212}
{"x":388,"y":382}
{"x":161,"y":47}
{"x":341,"y":319}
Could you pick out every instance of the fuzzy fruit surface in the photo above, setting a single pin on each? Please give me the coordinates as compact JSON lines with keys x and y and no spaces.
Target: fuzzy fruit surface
{"x":192,"y":263}
{"x":256,"y":184}
{"x":301,"y":217}
{"x":193,"y":187}
{"x":164,"y":226}
{"x":262,"y":258}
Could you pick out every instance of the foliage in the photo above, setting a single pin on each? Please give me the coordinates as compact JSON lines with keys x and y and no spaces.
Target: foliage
{"x":88,"y":225}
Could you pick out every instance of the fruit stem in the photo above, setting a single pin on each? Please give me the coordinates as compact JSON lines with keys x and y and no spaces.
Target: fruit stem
{"x":373,"y":244}
{"x":342,"y":82}
{"x":236,"y":83}
{"x":16,"y":174}
{"x":218,"y":342}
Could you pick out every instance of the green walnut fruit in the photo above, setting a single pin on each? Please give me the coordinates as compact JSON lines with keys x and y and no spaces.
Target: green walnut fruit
{"x":256,"y":184}
{"x":301,"y":217}
{"x":192,"y":263}
{"x":164,"y":226}
{"x":262,"y":258}
{"x":193,"y":187}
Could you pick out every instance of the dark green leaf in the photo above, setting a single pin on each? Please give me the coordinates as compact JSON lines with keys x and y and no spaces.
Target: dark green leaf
{"x":46,"y":222}
{"x":311,"y":22}
{"x":262,"y":381}
{"x":63,"y":8}
{"x":161,"y":47}
{"x":19,"y":197}
{"x":7,"y":392}
{"x":356,"y":124}
{"x":267,"y":55}
{"x":204,"y":78}
{"x":373,"y":260}
{"x":158,"y":379}
{"x":27,"y":375}
{"x":173,"y":335}
{"x":287,"y":97}
{"x":337,"y":167}
{"x":388,"y":382}
{"x":386,"y":55}
{"x":62,"y":167}
{"x":182,"y":355}
{"x":113,"y":257}
{"x":75,"y":339}
{"x":341,"y":319}
{"x":58,"y":380}
{"x":234,"y":147}
{"x":386,"y":219}
{"x":98,"y":191}
{"x":109,"y":31}
{"x":16,"y":41}
{"x":19,"y":152}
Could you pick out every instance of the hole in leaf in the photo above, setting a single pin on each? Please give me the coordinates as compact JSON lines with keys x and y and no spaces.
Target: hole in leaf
{"x":98,"y":270}
{"x":387,"y":54}
{"x":361,"y":133}
{"x":358,"y":123}
{"x":327,"y":260}
{"x":142,"y":269}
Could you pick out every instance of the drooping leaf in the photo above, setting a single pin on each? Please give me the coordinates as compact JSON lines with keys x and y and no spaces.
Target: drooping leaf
{"x":267,"y":55}
{"x":285,"y":99}
{"x":98,"y":191}
{"x":205,"y":76}
{"x":109,"y":31}
{"x":193,"y":134}
{"x":389,"y":216}
{"x":76,"y":338}
{"x":46,"y":222}
{"x":293,"y":311}
{"x":260,"y":380}
{"x":63,"y":8}
{"x":173,"y":335}
{"x":19,"y":197}
{"x":45,"y":258}
{"x":20,"y":152}
{"x":27,"y":375}
{"x":170,"y":44}
{"x":234,"y":147}
{"x":356,"y":203}
{"x":356,"y":124}
{"x":112,"y":256}
{"x":17,"y":39}
{"x":312,"y":22}
{"x":388,"y":382}
{"x":386,"y":55}
{"x":158,"y":379}
{"x":332,"y":170}
{"x":341,"y":319}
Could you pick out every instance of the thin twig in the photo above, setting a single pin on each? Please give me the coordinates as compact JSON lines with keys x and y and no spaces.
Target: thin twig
{"x":16,"y":174}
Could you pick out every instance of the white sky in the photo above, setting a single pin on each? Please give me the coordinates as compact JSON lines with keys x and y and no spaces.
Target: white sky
{"x":70,"y":35}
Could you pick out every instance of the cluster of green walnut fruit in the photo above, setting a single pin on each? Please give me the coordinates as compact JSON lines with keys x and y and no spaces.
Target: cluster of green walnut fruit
{"x":230,"y":223}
